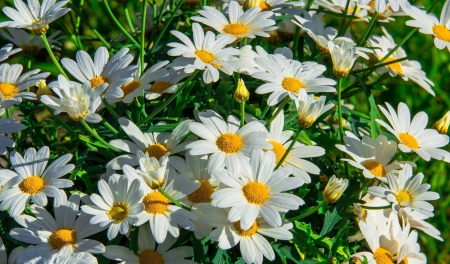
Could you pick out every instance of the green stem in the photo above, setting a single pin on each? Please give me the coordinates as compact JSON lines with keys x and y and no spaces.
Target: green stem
{"x":144,"y":18}
{"x":315,"y":209}
{"x":369,"y":30}
{"x":343,"y":22}
{"x":28,"y":63}
{"x":242,"y":113}
{"x":63,"y":123}
{"x":166,"y":25}
{"x":376,"y":208}
{"x":111,"y":110}
{"x":127,"y":16}
{"x":97,"y":136}
{"x":296,"y":40}
{"x":286,"y":153}
{"x":124,"y":31}
{"x":111,"y":128}
{"x":50,"y":52}
{"x":177,"y":203}
{"x":280,"y":107}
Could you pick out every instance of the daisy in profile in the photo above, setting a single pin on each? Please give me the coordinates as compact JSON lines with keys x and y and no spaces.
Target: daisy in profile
{"x":395,"y":5}
{"x":412,"y":135}
{"x":386,"y":16}
{"x":155,"y":144}
{"x":149,"y":252}
{"x":309,"y":108}
{"x":344,"y":54}
{"x":417,"y":221}
{"x":207,"y":53}
{"x":33,"y":180}
{"x":240,"y":24}
{"x":31,"y":45}
{"x":13,"y":84}
{"x":406,"y":191}
{"x":34,"y":16}
{"x":154,"y":172}
{"x":285,"y":77}
{"x":7,"y":51}
{"x":8,"y":125}
{"x":59,"y":237}
{"x":118,"y":206}
{"x":166,"y":85}
{"x":80,"y":102}
{"x":229,"y":145}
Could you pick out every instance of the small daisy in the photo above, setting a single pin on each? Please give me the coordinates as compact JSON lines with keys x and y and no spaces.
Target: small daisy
{"x":149,"y":253}
{"x":166,"y":85}
{"x":344,"y":54}
{"x":207,"y":53}
{"x":154,"y":172}
{"x":80,"y":102}
{"x":54,"y":236}
{"x":406,"y":191}
{"x":13,"y":84}
{"x":155,"y":144}
{"x":276,"y":6}
{"x":118,"y":206}
{"x":31,"y":45}
{"x":229,"y":145}
{"x":246,"y":62}
{"x":412,"y":135}
{"x":33,"y":180}
{"x":338,"y":6}
{"x":250,"y":23}
{"x":382,"y":5}
{"x":309,"y":109}
{"x":386,"y":16}
{"x":285,"y":77}
{"x":8,"y":125}
{"x":7,"y":51}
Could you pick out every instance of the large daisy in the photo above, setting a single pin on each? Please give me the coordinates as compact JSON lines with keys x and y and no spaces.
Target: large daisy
{"x":8,"y":125}
{"x":7,"y":51}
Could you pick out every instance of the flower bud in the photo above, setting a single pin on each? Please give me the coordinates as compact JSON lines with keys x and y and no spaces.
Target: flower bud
{"x":42,"y":89}
{"x":241,"y":94}
{"x":355,"y":260}
{"x":442,"y":124}
{"x":334,"y":189}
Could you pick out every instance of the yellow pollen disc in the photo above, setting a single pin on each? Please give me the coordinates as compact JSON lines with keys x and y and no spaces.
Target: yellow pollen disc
{"x":98,"y":80}
{"x":150,"y":257}
{"x":159,"y":87}
{"x":292,"y":85}
{"x":118,"y":212}
{"x":203,"y":193}
{"x":130,"y":87}
{"x":155,"y":203}
{"x":396,"y":66}
{"x":265,"y":6}
{"x":404,"y":261}
{"x":255,"y":192}
{"x":205,"y":56}
{"x":61,"y":237}
{"x":375,"y":168}
{"x":305,"y":122}
{"x":229,"y":143}
{"x":408,"y":140}
{"x":156,"y":150}
{"x":41,"y":30}
{"x":382,"y":256}
{"x":278,"y":149}
{"x":8,"y":90}
{"x":245,"y":233}
{"x":441,"y":32}
{"x":235,"y":29}
{"x":402,"y":196}
{"x":31,"y":185}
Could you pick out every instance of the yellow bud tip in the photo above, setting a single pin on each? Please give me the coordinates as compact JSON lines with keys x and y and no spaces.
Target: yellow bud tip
{"x":334,"y":189}
{"x":442,"y":124}
{"x":251,"y":3}
{"x":241,"y":94}
{"x":42,"y":89}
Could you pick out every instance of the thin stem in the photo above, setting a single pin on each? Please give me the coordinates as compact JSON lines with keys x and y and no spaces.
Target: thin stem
{"x":124,"y":31}
{"x":127,"y":16}
{"x":242,"y":113}
{"x":173,"y":200}
{"x":166,"y":25}
{"x":280,"y":107}
{"x":345,"y":13}
{"x":369,"y":30}
{"x":97,"y":136}
{"x":375,"y":208}
{"x":111,"y":128}
{"x":144,"y":18}
{"x":296,"y":40}
{"x":315,"y":209}
{"x":286,"y":153}
{"x":50,"y":52}
{"x":110,"y":109}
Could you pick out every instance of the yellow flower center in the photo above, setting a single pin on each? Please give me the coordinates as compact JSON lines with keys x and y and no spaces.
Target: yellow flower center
{"x":156,"y":150}
{"x":130,"y":87}
{"x":150,"y":257}
{"x":235,"y":29}
{"x":278,"y":149}
{"x":382,"y":256}
{"x":8,"y":90}
{"x":408,"y":140}
{"x":229,"y":143}
{"x":155,"y":203}
{"x":441,"y":32}
{"x":203,"y":193}
{"x":396,"y":66}
{"x":402,"y":196}
{"x":159,"y":87}
{"x":375,"y":168}
{"x":255,"y":192}
{"x":41,"y":30}
{"x":118,"y":212}
{"x":292,"y":85}
{"x":31,"y":185}
{"x":265,"y":6}
{"x":98,"y":80}
{"x":61,"y":237}
{"x":245,"y":233}
{"x":205,"y":56}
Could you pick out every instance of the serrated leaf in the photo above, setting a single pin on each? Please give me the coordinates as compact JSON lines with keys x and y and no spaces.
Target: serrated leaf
{"x":331,"y":219}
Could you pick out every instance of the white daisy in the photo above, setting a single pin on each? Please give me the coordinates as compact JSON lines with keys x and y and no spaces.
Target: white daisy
{"x":382,"y":5}
{"x":285,"y":77}
{"x":344,"y":54}
{"x":206,"y":53}
{"x":13,"y":84}
{"x":406,"y":191}
{"x":30,"y":45}
{"x":408,"y":248}
{"x":149,"y":252}
{"x":309,"y":109}
{"x":229,"y":145}
{"x":385,"y":16}
{"x":7,"y":51}
{"x":54,"y":236}
{"x":417,"y":221}
{"x":240,"y":24}
{"x":80,"y":102}
{"x":33,"y":180}
{"x":34,"y":16}
{"x":412,"y":135}
{"x":338,"y":6}
{"x":8,"y":125}
{"x":155,"y":144}
{"x":166,"y":85}
{"x":334,"y":189}
{"x":276,"y":6}
{"x":154,"y":172}
{"x":246,"y":62}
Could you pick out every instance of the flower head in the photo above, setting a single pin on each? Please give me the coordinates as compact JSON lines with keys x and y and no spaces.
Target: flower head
{"x":241,"y":94}
{"x":442,"y":124}
{"x":309,"y":109}
{"x":344,"y":54}
{"x":334,"y":189}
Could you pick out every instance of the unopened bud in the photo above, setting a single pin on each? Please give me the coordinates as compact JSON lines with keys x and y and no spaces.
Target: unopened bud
{"x":355,"y":260}
{"x":42,"y":89}
{"x":241,"y":94}
{"x":334,"y":189}
{"x":442,"y":124}
{"x":251,"y":3}
{"x":333,"y":260}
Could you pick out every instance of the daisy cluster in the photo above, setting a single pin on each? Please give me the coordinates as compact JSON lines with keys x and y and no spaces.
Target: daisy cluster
{"x":214,"y":133}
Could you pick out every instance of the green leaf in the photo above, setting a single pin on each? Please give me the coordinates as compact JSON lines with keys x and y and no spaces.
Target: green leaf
{"x":285,"y":253}
{"x":331,"y":219}
{"x":80,"y":161}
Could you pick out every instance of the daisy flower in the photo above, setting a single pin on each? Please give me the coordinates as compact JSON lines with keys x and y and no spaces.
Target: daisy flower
{"x":155,"y":144}
{"x":406,"y":191}
{"x":412,"y":135}
{"x":276,"y":6}
{"x":229,"y":145}
{"x":8,"y":125}
{"x":250,"y":23}
{"x":207,"y":53}
{"x":33,"y":180}
{"x":442,"y":124}
{"x":385,"y":16}
{"x":149,"y":252}
{"x":406,"y":69}
{"x":54,"y":236}
{"x":309,"y":109}
{"x":80,"y":102}
{"x":13,"y":84}
{"x":382,"y":5}
{"x":408,"y":248}
{"x":285,"y":77}
{"x":417,"y":221}
{"x":166,"y":85}
{"x":280,"y":141}
{"x":30,"y":45}
{"x":154,"y":172}
{"x":334,"y":189}
{"x":7,"y":51}
{"x":338,"y":6}
{"x":344,"y":54}
{"x":118,"y":206}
